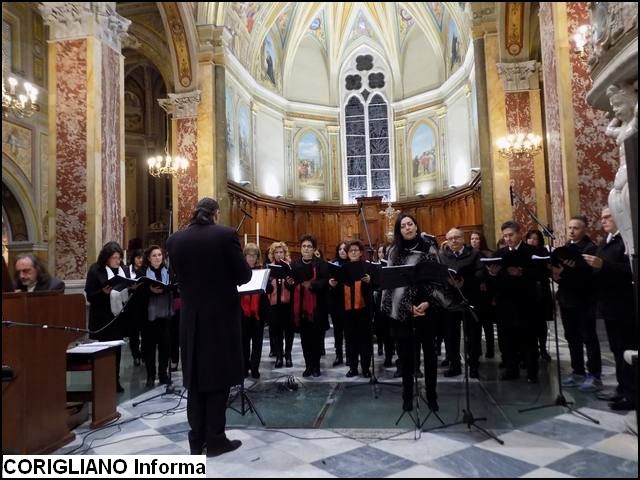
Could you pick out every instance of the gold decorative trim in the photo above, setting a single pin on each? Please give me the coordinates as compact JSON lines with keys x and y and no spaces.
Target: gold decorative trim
{"x":180,"y":44}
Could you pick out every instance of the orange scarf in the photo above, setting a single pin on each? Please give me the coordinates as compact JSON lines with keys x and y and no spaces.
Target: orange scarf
{"x":353,"y":299}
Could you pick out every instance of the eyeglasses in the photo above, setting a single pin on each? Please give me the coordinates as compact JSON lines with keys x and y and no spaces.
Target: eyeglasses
{"x":457,"y":237}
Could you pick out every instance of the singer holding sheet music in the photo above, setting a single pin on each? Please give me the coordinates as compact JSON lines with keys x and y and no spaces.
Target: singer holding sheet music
{"x":208,"y":262}
{"x":155,"y":331}
{"x":411,"y":306}
{"x":515,"y":294}
{"x":107,"y":301}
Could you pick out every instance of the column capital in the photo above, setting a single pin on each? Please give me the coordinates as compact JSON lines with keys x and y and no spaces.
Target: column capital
{"x":519,"y":76}
{"x":402,"y":123}
{"x":333,"y":129}
{"x":181,"y":105}
{"x":68,"y":20}
{"x":213,"y":40}
{"x":288,"y":124}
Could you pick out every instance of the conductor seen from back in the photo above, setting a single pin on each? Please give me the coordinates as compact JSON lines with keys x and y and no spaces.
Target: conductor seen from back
{"x":208,"y":262}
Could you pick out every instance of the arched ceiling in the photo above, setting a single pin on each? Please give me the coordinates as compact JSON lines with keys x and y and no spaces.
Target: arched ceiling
{"x":337,"y":28}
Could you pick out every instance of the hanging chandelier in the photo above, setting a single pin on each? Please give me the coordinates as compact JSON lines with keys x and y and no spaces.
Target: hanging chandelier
{"x":21,"y":102}
{"x":159,"y":165}
{"x":520,"y":143}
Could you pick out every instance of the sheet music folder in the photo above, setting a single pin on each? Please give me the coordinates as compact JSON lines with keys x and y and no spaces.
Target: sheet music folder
{"x":397,"y":276}
{"x":257,"y":284}
{"x":118,"y":281}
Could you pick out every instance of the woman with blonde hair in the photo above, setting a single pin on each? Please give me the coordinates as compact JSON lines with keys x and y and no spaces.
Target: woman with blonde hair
{"x":281,"y":313}
{"x":254,"y":314}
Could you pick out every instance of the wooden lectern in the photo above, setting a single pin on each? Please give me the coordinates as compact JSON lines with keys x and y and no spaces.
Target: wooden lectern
{"x":34,"y":415}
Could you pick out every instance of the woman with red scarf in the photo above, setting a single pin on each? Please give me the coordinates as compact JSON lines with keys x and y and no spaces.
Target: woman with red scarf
{"x":310,"y":304}
{"x":254,"y":313}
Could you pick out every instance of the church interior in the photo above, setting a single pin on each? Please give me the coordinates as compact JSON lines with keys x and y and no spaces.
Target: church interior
{"x":328,"y":119}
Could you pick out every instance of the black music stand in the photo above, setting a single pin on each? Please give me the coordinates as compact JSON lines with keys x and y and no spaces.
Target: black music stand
{"x":257,"y":284}
{"x":467,"y":416}
{"x":393,"y":277}
{"x":561,"y":400}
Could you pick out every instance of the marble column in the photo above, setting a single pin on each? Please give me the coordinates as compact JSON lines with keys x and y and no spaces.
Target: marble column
{"x":581,"y":157}
{"x":183,"y":108}
{"x":521,"y":84}
{"x":212,"y":119}
{"x":86,"y":125}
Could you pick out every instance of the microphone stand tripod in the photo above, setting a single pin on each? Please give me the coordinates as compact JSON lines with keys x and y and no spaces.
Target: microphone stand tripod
{"x":561,"y":400}
{"x":246,"y":404}
{"x":373,"y":380}
{"x":416,"y":389}
{"x":467,"y":415}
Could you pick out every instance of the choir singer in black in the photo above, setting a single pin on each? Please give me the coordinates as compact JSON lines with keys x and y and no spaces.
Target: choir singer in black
{"x":209,"y":265}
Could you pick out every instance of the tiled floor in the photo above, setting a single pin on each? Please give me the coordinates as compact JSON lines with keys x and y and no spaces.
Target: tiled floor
{"x":348,"y":432}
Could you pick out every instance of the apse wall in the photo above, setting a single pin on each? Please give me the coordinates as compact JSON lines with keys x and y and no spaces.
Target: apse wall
{"x":294,"y":150}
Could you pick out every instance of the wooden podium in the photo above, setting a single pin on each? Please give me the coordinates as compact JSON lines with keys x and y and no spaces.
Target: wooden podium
{"x":34,"y":415}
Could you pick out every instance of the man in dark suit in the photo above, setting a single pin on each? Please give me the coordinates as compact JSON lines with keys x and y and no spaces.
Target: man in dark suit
{"x":614,"y":284}
{"x":469,"y":273}
{"x":32,"y":276}
{"x":577,"y":300}
{"x":515,"y":295}
{"x":209,"y":265}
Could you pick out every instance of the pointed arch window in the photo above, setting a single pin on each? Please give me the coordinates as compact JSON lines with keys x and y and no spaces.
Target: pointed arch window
{"x":367,"y":146}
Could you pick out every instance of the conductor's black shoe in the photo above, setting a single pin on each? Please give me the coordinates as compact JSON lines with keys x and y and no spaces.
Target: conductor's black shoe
{"x":453,"y":371}
{"x":287,"y":360}
{"x":227,"y":446}
{"x":306,"y":373}
{"x":352,"y":373}
{"x":545,"y":356}
{"x":366,"y":374}
{"x":407,"y":404}
{"x":473,"y":372}
{"x":338,"y":361}
{"x":316,"y":372}
{"x":622,"y":404}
